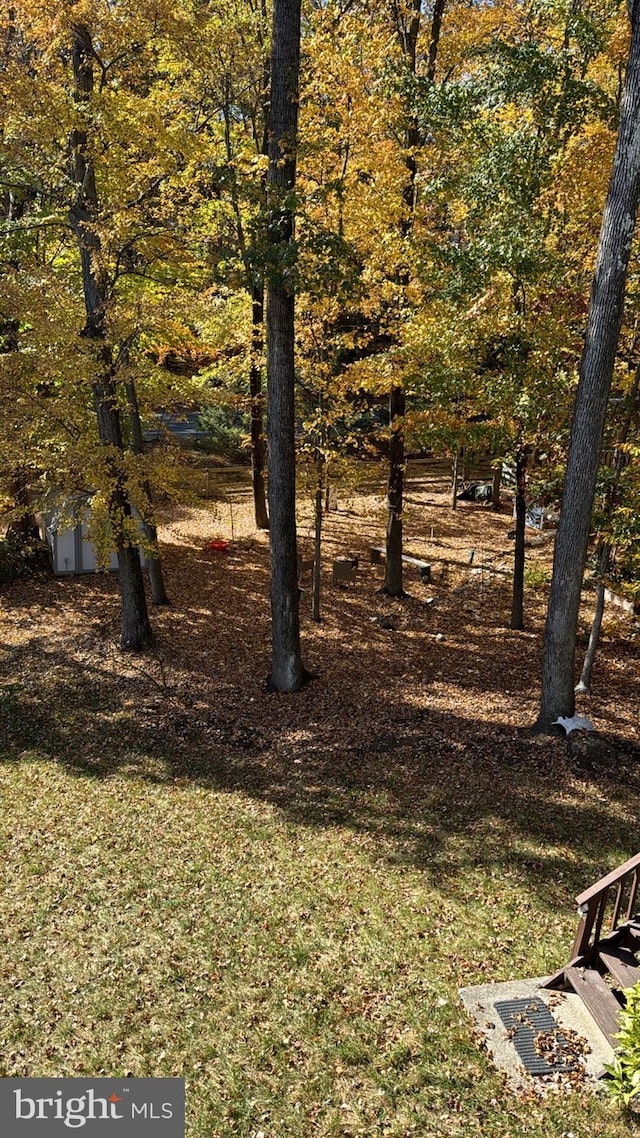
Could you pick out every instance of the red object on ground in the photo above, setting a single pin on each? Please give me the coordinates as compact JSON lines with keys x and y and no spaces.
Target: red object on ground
{"x":217,"y":546}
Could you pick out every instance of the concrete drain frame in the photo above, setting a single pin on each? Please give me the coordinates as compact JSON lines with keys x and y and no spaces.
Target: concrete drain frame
{"x":573,"y":1046}
{"x":529,"y":1024}
{"x":569,"y":1028}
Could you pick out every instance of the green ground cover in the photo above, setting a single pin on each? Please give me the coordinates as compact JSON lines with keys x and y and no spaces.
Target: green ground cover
{"x":302,"y":978}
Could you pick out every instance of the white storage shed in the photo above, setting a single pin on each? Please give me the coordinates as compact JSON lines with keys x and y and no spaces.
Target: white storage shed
{"x":71,"y":549}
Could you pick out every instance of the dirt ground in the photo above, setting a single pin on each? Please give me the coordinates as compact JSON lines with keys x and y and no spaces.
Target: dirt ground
{"x":450,"y":683}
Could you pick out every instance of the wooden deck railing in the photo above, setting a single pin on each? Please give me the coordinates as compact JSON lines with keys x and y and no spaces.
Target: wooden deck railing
{"x":592,"y":905}
{"x":604,"y":960}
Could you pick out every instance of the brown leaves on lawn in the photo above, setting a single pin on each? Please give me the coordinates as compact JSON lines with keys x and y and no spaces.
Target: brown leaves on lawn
{"x":419,"y":709}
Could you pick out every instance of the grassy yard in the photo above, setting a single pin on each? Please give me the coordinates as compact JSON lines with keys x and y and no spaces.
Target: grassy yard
{"x":301,"y":977}
{"x":277,"y":897}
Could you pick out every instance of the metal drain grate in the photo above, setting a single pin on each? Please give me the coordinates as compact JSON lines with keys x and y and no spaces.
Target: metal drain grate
{"x":525,"y":1020}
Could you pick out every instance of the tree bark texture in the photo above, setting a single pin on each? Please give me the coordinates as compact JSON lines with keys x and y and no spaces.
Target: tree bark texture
{"x":517,"y":603}
{"x":583,"y":686}
{"x":408,"y":28}
{"x":317,"y":552}
{"x":603,"y":329}
{"x":256,"y":287}
{"x":259,"y":454}
{"x":393,"y":562}
{"x":466,"y":464}
{"x":258,"y":441}
{"x":156,"y":578}
{"x":605,"y":551}
{"x":23,"y":521}
{"x":434,"y":39}
{"x":287,"y":673}
{"x":136,"y":630}
{"x":454,"y":480}
{"x":496,"y":486}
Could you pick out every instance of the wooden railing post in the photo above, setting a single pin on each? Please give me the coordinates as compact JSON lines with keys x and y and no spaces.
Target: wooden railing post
{"x":593,"y":902}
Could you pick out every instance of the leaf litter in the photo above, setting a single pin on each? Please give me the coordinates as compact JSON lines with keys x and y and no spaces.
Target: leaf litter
{"x":277,"y":896}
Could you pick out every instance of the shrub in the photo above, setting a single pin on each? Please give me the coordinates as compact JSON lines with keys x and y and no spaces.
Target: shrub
{"x":624,"y":1081}
{"x":227,"y":429}
{"x":536,"y":576}
{"x":22,"y":556}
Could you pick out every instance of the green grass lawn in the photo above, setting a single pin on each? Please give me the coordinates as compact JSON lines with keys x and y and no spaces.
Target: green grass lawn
{"x":301,"y":977}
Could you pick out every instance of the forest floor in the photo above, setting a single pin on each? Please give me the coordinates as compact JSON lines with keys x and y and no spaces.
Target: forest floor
{"x":275,"y":896}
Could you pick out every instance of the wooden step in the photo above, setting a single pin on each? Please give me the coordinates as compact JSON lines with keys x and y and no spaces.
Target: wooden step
{"x":598,"y":998}
{"x":622,"y":965}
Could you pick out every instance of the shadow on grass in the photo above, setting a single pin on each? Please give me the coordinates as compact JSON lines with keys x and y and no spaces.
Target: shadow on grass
{"x":433,"y":790}
{"x":367,"y":746}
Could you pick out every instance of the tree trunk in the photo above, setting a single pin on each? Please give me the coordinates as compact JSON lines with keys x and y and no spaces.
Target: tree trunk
{"x":317,"y":552}
{"x":603,"y":329}
{"x":23,"y":521}
{"x":408,"y":28}
{"x":322,"y":493}
{"x":287,"y":672}
{"x":393,"y":567}
{"x":136,"y":630}
{"x":517,"y":604}
{"x":258,"y":444}
{"x":454,"y":480}
{"x":495,"y":488}
{"x":159,"y":594}
{"x":156,"y":579}
{"x":583,"y":687}
{"x":434,"y":39}
{"x":604,"y":556}
{"x":258,"y":441}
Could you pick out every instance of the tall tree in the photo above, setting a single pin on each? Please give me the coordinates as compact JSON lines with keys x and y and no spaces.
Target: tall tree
{"x":408,"y":26}
{"x":603,"y":330}
{"x":247,"y":103}
{"x":407,"y":18}
{"x":258,"y":441}
{"x":517,"y":600}
{"x":287,"y":672}
{"x":107,"y":233}
{"x":159,"y":594}
{"x":84,"y":215}
{"x":605,"y":548}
